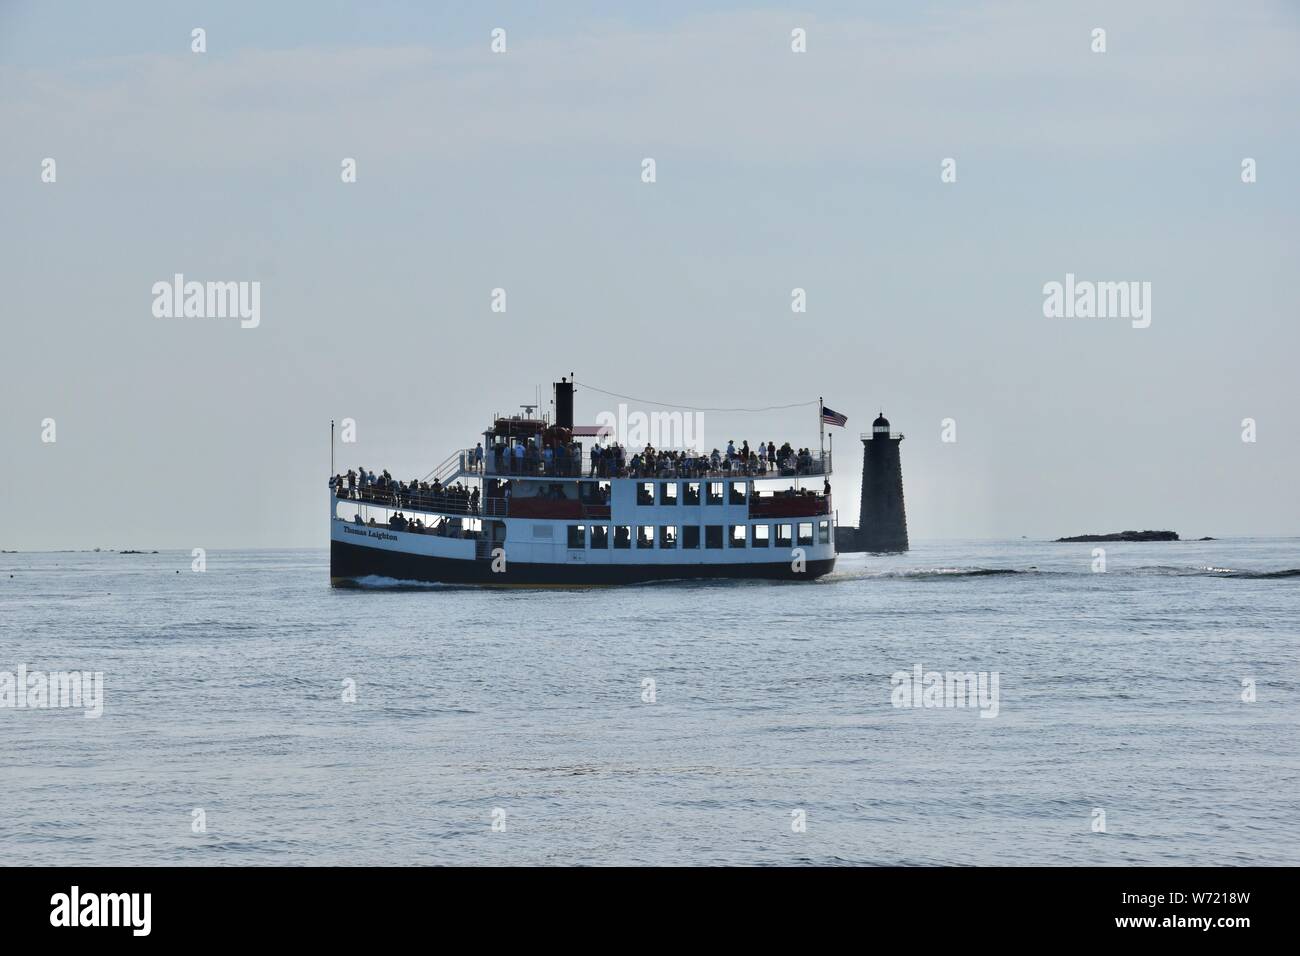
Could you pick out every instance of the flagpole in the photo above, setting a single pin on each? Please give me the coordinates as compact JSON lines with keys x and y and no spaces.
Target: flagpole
{"x":821,"y":424}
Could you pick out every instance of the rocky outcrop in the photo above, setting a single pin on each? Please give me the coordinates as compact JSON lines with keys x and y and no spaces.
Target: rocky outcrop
{"x":1126,"y":536}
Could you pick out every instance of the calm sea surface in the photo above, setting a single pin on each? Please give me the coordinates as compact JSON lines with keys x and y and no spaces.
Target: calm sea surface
{"x":223,"y":692}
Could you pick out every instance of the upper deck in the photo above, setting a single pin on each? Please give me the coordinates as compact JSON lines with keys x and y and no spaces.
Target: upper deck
{"x":536,"y":463}
{"x":530,"y":466}
{"x":592,"y":499}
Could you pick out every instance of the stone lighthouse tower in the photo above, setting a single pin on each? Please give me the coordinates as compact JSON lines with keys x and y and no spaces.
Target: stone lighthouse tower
{"x":882,"y":523}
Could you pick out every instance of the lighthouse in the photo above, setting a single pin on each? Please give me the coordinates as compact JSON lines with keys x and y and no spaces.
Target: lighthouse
{"x":882,"y":522}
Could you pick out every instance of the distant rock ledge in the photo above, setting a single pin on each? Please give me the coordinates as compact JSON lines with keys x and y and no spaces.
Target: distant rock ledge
{"x":1126,"y":536}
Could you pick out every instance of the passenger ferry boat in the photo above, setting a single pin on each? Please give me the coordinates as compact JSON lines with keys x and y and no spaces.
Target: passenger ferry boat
{"x":541,"y":503}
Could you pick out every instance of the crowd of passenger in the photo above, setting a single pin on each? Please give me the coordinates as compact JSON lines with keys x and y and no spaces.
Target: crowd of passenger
{"x":383,"y":489}
{"x":527,"y":457}
{"x":759,"y":461}
{"x":565,"y":459}
{"x":442,"y":527}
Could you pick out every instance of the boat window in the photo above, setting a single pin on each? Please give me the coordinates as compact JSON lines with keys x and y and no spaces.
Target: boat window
{"x":739,"y":491}
{"x":690,"y":536}
{"x":738,"y":534}
{"x":645,"y":536}
{"x":713,"y":536}
{"x":600,"y":536}
{"x":692,"y":493}
{"x":645,"y":493}
{"x":577,"y":536}
{"x":805,"y":532}
{"x":783,"y":536}
{"x":759,"y":536}
{"x":715,"y":493}
{"x":824,"y":532}
{"x":622,"y":536}
{"x":668,"y":536}
{"x":668,"y":493}
{"x":543,"y":531}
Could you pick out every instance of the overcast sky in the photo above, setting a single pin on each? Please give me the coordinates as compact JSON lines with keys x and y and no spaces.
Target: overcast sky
{"x":775,"y":170}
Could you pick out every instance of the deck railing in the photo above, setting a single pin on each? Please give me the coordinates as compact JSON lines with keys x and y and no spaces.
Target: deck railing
{"x":789,"y":506}
{"x":393,"y":498}
{"x":812,"y":465}
{"x":463,"y":462}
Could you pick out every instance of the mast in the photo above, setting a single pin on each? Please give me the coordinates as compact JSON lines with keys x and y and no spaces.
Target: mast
{"x":821,"y":426}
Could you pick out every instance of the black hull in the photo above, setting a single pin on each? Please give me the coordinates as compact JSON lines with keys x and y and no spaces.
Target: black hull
{"x":349,"y":562}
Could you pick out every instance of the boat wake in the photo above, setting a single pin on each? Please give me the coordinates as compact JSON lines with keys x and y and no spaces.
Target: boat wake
{"x":376,"y":582}
{"x":981,"y":572}
{"x":923,"y":573}
{"x":1252,"y":575}
{"x":379,"y":583}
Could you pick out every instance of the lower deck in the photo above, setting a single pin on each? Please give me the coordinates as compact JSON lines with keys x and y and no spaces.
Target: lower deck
{"x":541,"y":532}
{"x":352,"y":563}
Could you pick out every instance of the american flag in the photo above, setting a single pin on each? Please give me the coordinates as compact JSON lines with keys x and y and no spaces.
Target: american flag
{"x":833,"y":418}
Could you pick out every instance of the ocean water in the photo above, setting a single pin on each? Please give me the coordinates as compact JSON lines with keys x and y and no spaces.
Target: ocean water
{"x":224,"y":693}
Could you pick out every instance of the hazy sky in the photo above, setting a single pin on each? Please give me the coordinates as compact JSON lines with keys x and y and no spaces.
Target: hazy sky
{"x":775,"y":170}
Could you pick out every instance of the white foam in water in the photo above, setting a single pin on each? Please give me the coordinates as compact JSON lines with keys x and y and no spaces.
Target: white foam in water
{"x":380,"y":582}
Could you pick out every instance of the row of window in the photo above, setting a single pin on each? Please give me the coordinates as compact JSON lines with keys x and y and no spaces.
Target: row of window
{"x":736,"y":492}
{"x":581,"y":536}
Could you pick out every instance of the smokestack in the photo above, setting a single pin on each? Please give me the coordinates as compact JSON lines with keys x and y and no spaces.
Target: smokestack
{"x":564,"y":403}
